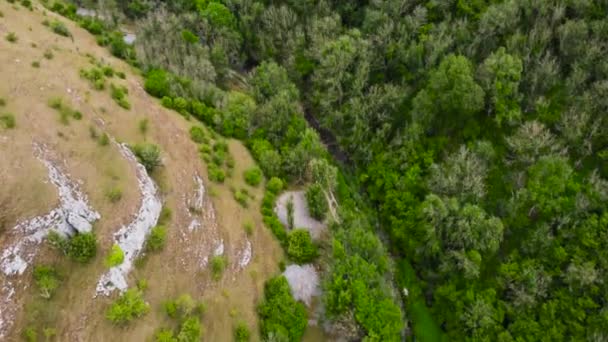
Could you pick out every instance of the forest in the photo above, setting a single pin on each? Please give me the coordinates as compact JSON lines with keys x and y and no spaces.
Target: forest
{"x":470,"y":139}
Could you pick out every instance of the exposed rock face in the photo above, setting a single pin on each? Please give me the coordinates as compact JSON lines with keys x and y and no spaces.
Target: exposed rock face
{"x":244,"y":256}
{"x":131,"y":238}
{"x":303,"y":281}
{"x":73,"y":214}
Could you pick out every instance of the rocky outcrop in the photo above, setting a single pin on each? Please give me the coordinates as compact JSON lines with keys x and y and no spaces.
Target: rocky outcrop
{"x":73,"y":215}
{"x":132,"y":237}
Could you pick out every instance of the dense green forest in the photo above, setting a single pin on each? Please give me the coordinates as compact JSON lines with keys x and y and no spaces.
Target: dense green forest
{"x":474,"y":131}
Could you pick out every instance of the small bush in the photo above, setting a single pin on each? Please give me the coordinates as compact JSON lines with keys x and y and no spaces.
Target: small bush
{"x":164,"y":335}
{"x":119,"y":94}
{"x":55,"y":102}
{"x":12,"y":37}
{"x":167,"y":102}
{"x":165,"y":215}
{"x":35,"y":64}
{"x":157,"y":238}
{"x":59,"y":28}
{"x":157,"y":83}
{"x":180,"y":104}
{"x":218,"y":265}
{"x":127,"y":307}
{"x":116,"y":256}
{"x":48,"y":54}
{"x":316,"y":201}
{"x":274,"y":185}
{"x":216,"y":174}
{"x":30,"y":334}
{"x":248,"y":226}
{"x":300,"y":247}
{"x":253,"y":176}
{"x":148,"y":155}
{"x":242,"y":333}
{"x":8,"y":121}
{"x":47,"y":280}
{"x":2,"y":102}
{"x":143,"y":126}
{"x":197,"y":134}
{"x":190,"y":331}
{"x":104,"y":139}
{"x":183,"y":307}
{"x":82,"y":247}
{"x":242,"y":198}
{"x":114,"y":194}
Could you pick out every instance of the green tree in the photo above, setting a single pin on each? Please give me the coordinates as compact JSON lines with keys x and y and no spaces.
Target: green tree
{"x":280,"y":313}
{"x":501,"y":74}
{"x":300,"y":247}
{"x":450,"y":93}
{"x":316,"y":202}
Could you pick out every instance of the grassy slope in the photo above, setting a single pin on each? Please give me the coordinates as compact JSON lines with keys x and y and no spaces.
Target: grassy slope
{"x":73,"y":312}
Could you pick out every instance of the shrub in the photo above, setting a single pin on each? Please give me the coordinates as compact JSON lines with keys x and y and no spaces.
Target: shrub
{"x":197,"y":134}
{"x":35,"y":64}
{"x":183,"y":307}
{"x":30,"y":334}
{"x":242,"y":333}
{"x":253,"y":176}
{"x":157,"y":83}
{"x":148,"y":155}
{"x":300,"y":247}
{"x":165,"y":215}
{"x":94,"y":26}
{"x":167,"y":102}
{"x":104,"y":139}
{"x":118,"y":47}
{"x":157,"y":238}
{"x":180,"y":104}
{"x":82,"y":247}
{"x":59,"y":28}
{"x":48,"y":54}
{"x":8,"y":120}
{"x":127,"y":307}
{"x":116,"y":256}
{"x":47,"y":280}
{"x":290,"y":212}
{"x":218,"y":265}
{"x":248,"y":226}
{"x":316,"y":201}
{"x":241,"y":197}
{"x":216,"y":174}
{"x":164,"y":335}
{"x":279,"y":313}
{"x":114,"y":194}
{"x":143,"y":126}
{"x":190,"y":330}
{"x":274,"y":185}
{"x":12,"y":37}
{"x":55,"y":102}
{"x":189,"y":37}
{"x":119,"y":94}
{"x":2,"y":102}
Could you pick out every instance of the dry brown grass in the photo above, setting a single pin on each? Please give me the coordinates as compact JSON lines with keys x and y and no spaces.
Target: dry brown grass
{"x":73,"y":312}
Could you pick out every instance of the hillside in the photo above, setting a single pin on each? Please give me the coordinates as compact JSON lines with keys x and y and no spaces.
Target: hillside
{"x":399,"y":170}
{"x":49,"y":160}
